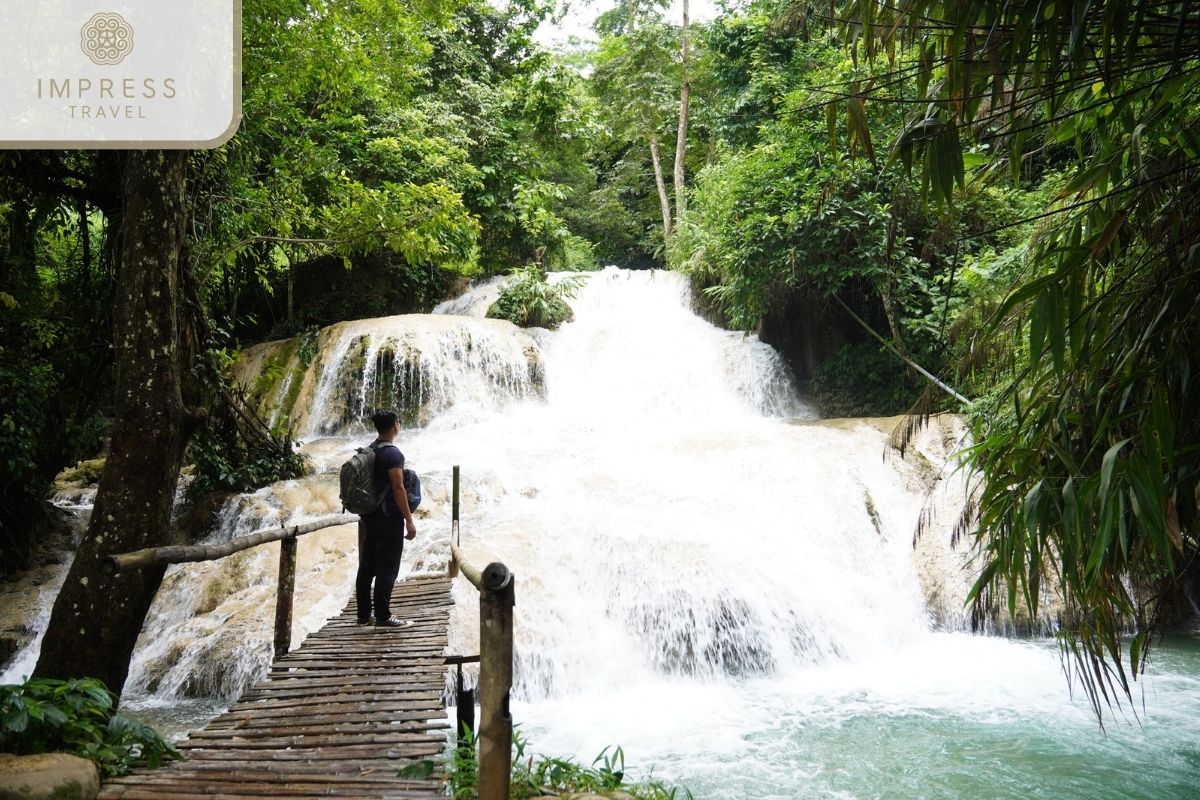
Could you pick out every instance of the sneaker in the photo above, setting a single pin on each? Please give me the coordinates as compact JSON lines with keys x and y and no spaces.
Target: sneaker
{"x":392,"y":622}
{"x":363,"y":621}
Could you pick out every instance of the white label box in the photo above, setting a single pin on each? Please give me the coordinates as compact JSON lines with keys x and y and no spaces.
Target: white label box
{"x":113,"y":74}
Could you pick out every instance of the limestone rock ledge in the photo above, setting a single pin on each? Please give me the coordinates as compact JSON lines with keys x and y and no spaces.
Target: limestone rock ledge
{"x":48,"y":776}
{"x":420,"y":364}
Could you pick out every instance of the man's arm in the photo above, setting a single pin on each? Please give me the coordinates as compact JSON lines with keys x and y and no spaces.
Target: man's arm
{"x":396,"y":477}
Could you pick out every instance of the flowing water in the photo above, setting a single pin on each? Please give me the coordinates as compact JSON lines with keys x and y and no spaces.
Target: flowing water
{"x":706,"y":574}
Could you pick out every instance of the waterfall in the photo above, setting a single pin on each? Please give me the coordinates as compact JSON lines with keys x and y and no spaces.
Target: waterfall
{"x":673,"y":498}
{"x":654,"y":479}
{"x":706,"y":573}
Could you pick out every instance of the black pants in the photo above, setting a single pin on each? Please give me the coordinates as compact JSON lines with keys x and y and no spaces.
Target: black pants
{"x":380,"y":545}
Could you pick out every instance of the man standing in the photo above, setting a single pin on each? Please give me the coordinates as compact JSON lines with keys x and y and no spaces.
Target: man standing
{"x":381,"y":539}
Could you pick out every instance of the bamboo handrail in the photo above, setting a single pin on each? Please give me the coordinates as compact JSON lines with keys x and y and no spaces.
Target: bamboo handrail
{"x":182,"y":554}
{"x":285,"y":585}
{"x":481,"y":579}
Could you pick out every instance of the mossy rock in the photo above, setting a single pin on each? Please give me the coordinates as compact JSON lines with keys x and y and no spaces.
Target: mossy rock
{"x":289,"y":400}
{"x":85,"y":473}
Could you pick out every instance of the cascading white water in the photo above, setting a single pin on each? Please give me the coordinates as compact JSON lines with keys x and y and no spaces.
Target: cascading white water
{"x":655,"y":504}
{"x":706,"y":574}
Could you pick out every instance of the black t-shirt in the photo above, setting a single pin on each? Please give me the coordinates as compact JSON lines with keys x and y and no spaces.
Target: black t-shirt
{"x":387,"y":456}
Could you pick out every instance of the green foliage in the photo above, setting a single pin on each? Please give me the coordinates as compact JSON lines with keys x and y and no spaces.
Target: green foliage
{"x":1088,"y":449}
{"x":335,"y":158}
{"x":76,"y":716}
{"x":531,"y":300}
{"x":538,"y":776}
{"x":464,"y":767}
{"x":862,"y":380}
{"x":575,"y":254}
{"x":56,"y":279}
{"x":306,"y":349}
{"x":418,"y":770}
{"x":221,"y":468}
{"x":636,"y":76}
{"x":535,"y":775}
{"x":637,"y":79}
{"x":785,"y":206}
{"x":235,"y":450}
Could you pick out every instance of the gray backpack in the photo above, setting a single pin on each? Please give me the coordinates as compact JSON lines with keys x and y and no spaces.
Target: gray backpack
{"x":358,"y":483}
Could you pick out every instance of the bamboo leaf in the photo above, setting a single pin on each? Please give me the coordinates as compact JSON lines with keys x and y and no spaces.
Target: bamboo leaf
{"x":1084,"y":181}
{"x":1030,"y":506}
{"x":858,"y":118}
{"x":1148,"y":508}
{"x":1107,"y":465}
{"x":1108,"y":234}
{"x":1039,"y":321}
{"x":1055,"y":327}
{"x":1174,"y":532}
{"x":1100,"y":548}
{"x":1027,"y":291}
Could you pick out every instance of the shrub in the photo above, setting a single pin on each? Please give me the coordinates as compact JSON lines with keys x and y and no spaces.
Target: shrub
{"x":538,"y":776}
{"x":532,"y":301}
{"x":862,"y":380}
{"x":76,"y":716}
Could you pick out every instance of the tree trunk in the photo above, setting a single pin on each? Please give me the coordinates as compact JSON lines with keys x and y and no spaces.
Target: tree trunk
{"x":96,"y":618}
{"x":663,"y":200}
{"x":85,"y":239}
{"x":685,"y":94}
{"x":889,"y":310}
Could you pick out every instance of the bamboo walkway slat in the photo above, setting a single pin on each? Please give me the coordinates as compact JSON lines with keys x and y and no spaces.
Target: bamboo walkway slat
{"x":337,"y":717}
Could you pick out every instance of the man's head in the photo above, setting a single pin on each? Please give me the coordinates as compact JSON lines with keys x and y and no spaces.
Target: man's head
{"x":386,"y":421}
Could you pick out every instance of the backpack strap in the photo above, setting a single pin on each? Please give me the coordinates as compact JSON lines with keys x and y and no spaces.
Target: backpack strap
{"x":375,"y":447}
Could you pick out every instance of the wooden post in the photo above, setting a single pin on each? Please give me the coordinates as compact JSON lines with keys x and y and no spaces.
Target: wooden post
{"x":284,"y":594}
{"x":454,"y":523}
{"x":465,"y":705}
{"x":496,"y":601}
{"x":454,"y":497}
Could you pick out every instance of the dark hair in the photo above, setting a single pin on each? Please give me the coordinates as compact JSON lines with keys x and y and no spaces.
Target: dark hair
{"x":384,"y":419}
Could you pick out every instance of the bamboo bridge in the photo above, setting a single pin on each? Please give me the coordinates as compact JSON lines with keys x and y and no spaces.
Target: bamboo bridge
{"x":355,"y":711}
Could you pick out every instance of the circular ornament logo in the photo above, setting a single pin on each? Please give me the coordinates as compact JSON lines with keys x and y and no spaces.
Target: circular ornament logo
{"x":107,"y":39}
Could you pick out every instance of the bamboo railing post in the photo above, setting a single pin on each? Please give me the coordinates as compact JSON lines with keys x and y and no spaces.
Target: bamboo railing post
{"x":285,"y":591}
{"x":496,"y":601}
{"x":454,"y":497}
{"x":454,"y":523}
{"x":465,"y":705}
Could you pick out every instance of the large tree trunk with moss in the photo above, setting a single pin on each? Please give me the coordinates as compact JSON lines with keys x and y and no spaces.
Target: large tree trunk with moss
{"x":97,"y":618}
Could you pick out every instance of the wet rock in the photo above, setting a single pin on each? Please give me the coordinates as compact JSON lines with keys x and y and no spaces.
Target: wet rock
{"x":8,"y":648}
{"x":24,"y":599}
{"x":49,"y":776}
